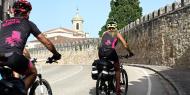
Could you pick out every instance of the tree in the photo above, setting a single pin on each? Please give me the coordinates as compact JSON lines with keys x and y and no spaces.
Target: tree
{"x":123,"y":12}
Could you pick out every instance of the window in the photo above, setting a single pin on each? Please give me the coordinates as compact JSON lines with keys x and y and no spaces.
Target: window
{"x":77,"y":26}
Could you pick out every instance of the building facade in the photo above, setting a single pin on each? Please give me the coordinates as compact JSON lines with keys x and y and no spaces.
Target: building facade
{"x":74,"y":44}
{"x":5,"y":5}
{"x":63,"y":35}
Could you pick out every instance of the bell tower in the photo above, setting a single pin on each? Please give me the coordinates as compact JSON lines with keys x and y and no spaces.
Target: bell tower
{"x":77,"y":22}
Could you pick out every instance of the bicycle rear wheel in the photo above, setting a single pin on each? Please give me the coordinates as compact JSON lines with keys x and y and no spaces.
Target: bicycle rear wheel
{"x":124,"y":82}
{"x":42,"y":88}
{"x":101,"y":87}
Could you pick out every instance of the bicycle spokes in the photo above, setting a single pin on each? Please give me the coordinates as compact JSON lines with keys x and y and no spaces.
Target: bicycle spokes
{"x":41,"y":90}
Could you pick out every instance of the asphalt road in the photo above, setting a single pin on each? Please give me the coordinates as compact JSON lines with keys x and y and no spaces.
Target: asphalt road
{"x":76,"y":80}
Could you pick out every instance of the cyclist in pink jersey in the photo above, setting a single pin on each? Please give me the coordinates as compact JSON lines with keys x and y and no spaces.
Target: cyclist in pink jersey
{"x":107,"y":49}
{"x":14,"y":33}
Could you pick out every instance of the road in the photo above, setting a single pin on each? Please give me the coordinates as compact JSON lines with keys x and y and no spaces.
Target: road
{"x":76,"y":80}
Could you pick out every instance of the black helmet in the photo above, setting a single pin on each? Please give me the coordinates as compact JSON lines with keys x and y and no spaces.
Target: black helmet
{"x":112,"y":24}
{"x":22,"y":6}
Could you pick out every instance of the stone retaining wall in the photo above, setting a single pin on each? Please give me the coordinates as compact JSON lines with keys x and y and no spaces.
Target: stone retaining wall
{"x":162,"y":37}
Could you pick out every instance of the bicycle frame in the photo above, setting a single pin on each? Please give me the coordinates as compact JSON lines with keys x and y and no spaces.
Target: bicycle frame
{"x":106,"y":77}
{"x":39,"y":78}
{"x":39,"y":75}
{"x":109,"y":84}
{"x":40,"y":82}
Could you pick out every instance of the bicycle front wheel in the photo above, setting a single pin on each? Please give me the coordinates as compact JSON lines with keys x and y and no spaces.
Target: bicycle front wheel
{"x":42,"y":88}
{"x":124,"y":81}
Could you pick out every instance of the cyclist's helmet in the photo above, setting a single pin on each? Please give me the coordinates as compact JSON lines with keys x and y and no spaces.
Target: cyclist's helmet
{"x":112,"y":24}
{"x":22,"y":7}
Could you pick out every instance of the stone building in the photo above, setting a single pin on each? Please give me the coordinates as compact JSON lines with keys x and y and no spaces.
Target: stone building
{"x":59,"y":35}
{"x":4,"y":7}
{"x":74,"y":44}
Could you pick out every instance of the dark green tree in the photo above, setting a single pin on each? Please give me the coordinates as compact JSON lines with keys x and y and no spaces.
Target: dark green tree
{"x":123,"y":12}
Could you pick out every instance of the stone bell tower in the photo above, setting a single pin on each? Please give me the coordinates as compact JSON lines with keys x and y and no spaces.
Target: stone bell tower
{"x":77,"y":22}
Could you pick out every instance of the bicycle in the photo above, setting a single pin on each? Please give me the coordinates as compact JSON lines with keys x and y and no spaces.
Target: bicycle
{"x":9,"y":85}
{"x":41,"y":86}
{"x":106,"y":83}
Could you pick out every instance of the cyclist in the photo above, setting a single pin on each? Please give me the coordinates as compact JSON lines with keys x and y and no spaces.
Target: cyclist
{"x":107,"y":49}
{"x":33,"y":69}
{"x":14,"y":33}
{"x":26,"y":53}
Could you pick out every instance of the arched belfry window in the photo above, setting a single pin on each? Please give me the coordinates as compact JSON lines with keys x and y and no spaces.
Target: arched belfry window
{"x":77,"y":26}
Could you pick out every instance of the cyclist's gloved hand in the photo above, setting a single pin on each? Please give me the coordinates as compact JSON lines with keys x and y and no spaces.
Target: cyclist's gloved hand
{"x":34,"y":60}
{"x":56,"y":56}
{"x":131,"y":54}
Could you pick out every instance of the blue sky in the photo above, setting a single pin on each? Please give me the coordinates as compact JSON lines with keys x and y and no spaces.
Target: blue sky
{"x":50,"y":14}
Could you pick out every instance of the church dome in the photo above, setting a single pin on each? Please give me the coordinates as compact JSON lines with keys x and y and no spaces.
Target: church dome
{"x":77,"y":17}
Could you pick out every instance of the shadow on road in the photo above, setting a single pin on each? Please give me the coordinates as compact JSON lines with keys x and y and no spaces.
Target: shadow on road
{"x":179,"y":78}
{"x":141,"y":87}
{"x":150,"y":86}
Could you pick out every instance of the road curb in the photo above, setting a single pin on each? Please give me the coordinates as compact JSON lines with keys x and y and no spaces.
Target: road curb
{"x":170,"y":81}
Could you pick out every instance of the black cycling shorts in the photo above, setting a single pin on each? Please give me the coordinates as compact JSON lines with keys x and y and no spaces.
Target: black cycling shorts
{"x":17,"y":62}
{"x":110,"y":54}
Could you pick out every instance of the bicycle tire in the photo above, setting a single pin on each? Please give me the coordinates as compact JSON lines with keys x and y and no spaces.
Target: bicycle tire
{"x":37,"y":83}
{"x":98,"y":85}
{"x":124,"y":79}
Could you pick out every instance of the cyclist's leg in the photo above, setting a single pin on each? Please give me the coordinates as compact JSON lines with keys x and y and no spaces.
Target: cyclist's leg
{"x":30,"y":76}
{"x":117,"y":73}
{"x":31,"y":73}
{"x":20,"y":64}
{"x":115,"y":58}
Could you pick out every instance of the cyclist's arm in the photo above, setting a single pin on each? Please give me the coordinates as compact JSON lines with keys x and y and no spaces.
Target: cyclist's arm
{"x":125,"y":44}
{"x":100,"y":39}
{"x":47,"y":43}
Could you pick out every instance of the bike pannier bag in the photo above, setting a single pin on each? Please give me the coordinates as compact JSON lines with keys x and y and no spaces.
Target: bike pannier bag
{"x":94,"y":73}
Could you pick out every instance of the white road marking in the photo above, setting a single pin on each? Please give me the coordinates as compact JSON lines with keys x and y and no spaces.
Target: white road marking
{"x":68,"y":75}
{"x":149,"y":82}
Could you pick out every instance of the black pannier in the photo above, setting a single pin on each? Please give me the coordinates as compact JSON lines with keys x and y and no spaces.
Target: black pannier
{"x":104,"y":66}
{"x":94,"y":72}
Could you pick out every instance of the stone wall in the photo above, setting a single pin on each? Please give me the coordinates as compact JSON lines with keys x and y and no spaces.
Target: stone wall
{"x":78,"y":52}
{"x":162,"y":37}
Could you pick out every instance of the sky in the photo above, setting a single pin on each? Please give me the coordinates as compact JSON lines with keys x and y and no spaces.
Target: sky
{"x":51,"y":14}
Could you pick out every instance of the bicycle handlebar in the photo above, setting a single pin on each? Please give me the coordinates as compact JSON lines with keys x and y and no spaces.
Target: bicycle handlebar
{"x":125,"y":56}
{"x":49,"y":60}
